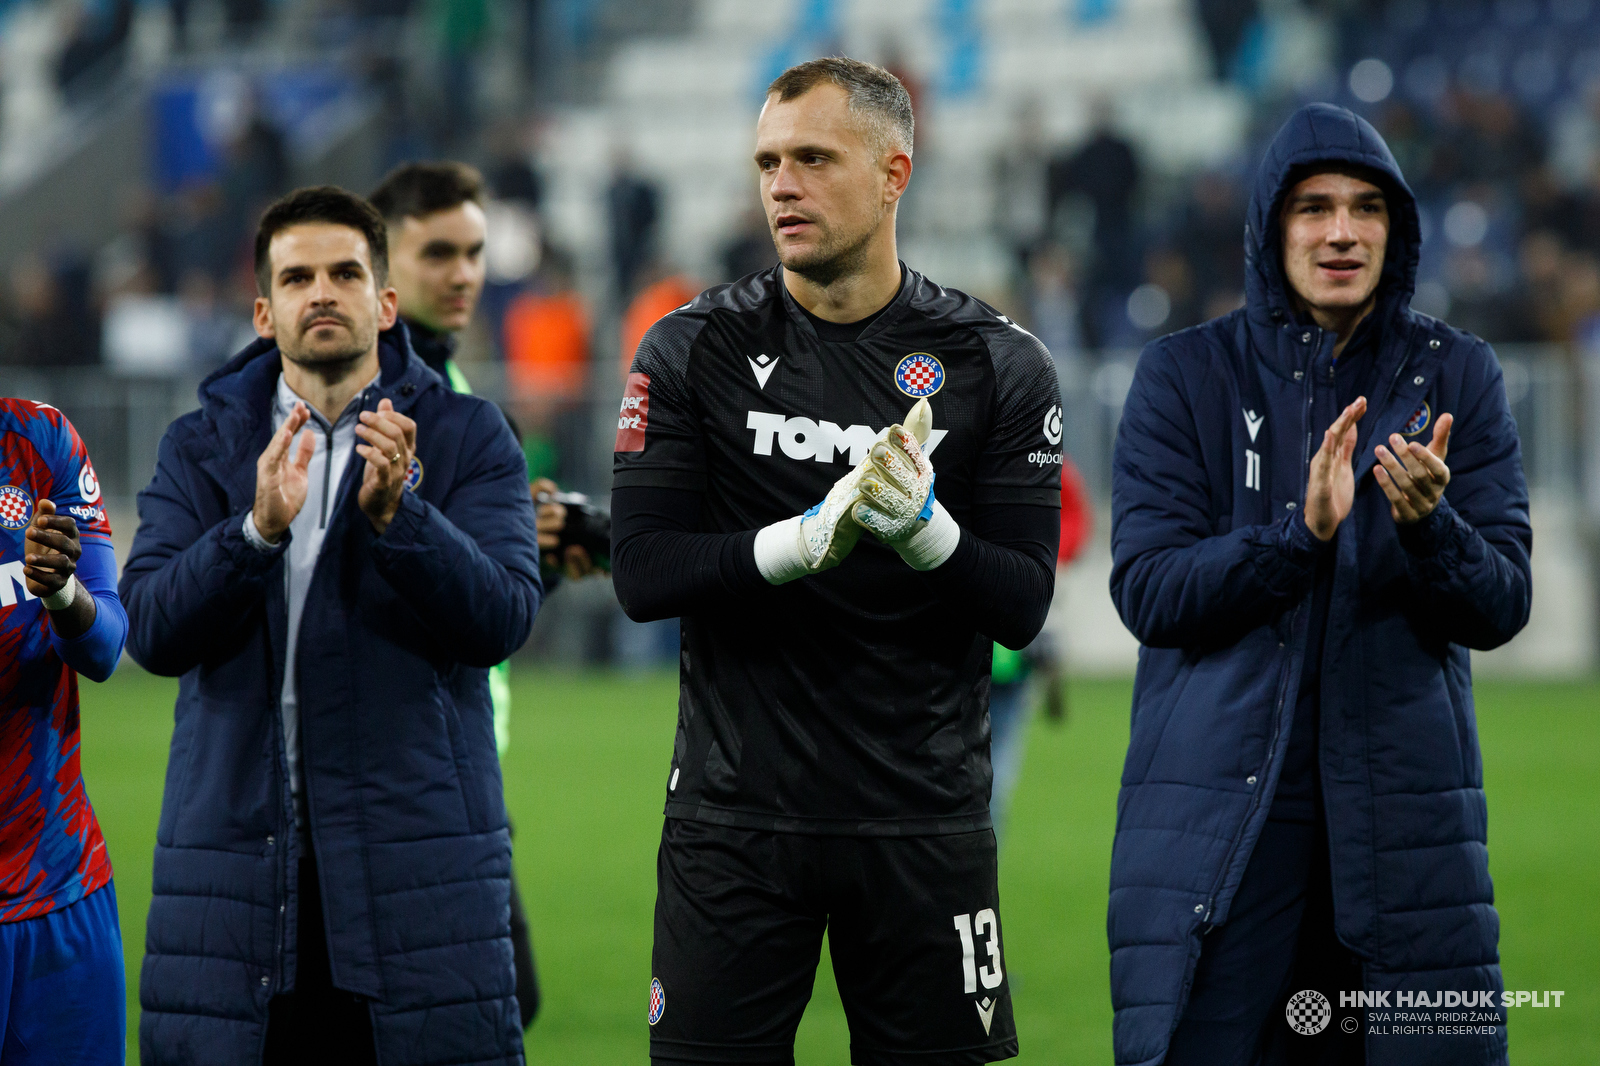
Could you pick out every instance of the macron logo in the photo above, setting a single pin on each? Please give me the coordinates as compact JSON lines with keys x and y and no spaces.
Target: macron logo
{"x":1013,"y":325}
{"x":1252,"y":422}
{"x":763,"y":365}
{"x":986,"y":1012}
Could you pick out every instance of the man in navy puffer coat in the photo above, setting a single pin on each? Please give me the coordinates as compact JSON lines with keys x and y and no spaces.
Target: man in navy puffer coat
{"x":332,"y":867}
{"x":1302,"y":805}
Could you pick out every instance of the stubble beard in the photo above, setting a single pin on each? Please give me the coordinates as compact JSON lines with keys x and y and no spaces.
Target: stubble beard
{"x":330,"y":364}
{"x":835,"y":258}
{"x":1345,"y":308}
{"x":1346,"y":301}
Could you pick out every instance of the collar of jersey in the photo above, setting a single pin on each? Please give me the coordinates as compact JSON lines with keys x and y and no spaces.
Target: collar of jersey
{"x":890,"y":312}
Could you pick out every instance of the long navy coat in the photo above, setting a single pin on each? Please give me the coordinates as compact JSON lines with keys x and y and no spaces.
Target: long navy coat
{"x":407,"y":814}
{"x":1213,"y":576}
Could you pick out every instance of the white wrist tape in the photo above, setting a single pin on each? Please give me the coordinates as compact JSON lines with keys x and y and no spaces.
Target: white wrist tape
{"x":934,"y":543}
{"x":778,"y":555}
{"x":60,"y":601}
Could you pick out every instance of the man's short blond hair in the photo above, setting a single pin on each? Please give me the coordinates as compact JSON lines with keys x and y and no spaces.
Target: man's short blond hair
{"x":876,"y":97}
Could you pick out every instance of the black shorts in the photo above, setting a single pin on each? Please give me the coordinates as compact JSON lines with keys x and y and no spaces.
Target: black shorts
{"x":913,"y":925}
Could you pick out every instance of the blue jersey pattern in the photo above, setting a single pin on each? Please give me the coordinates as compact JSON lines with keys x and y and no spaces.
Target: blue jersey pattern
{"x":51,"y":850}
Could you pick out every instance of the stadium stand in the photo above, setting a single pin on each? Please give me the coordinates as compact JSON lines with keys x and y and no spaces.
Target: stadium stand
{"x":1079,"y":163}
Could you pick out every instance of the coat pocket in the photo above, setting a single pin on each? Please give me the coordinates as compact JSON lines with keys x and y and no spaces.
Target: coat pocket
{"x":470,"y":724}
{"x":176,"y":788}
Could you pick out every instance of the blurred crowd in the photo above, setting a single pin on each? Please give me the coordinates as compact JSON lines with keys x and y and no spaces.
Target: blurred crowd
{"x":1510,"y":201}
{"x":1515,"y":198}
{"x":172,"y":291}
{"x":1105,"y":253}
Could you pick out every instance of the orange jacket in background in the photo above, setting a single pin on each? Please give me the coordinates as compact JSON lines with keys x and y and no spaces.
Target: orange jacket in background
{"x":547,"y":345}
{"x":649,"y":307}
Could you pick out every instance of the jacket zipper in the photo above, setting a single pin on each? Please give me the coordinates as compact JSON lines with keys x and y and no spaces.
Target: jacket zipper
{"x":305,"y":778}
{"x":305,"y":783}
{"x":1255,"y":799}
{"x":283,"y":847}
{"x":1283,"y":678}
{"x":1308,"y":435}
{"x":1283,"y":681}
{"x":281,"y":856}
{"x":1405,"y":361}
{"x":327,"y":476}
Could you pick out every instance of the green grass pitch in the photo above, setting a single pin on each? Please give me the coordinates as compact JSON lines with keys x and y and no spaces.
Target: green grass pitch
{"x":585,"y":779}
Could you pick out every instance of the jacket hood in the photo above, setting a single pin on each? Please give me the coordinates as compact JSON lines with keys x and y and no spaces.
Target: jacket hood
{"x":1318,"y":134}
{"x":248,"y":375}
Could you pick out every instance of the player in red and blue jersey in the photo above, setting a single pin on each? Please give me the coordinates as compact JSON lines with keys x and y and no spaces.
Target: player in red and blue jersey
{"x":61,"y":981}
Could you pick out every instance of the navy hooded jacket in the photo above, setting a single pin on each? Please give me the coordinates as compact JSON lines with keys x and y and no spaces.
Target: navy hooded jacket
{"x":1213,"y":572}
{"x":406,"y":813}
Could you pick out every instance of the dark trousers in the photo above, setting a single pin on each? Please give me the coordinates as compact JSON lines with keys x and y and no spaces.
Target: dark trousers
{"x":1278,"y":941}
{"x":316,"y":1023}
{"x":522,"y":958}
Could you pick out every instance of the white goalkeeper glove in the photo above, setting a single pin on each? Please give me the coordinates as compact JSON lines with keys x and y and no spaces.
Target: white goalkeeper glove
{"x":815,"y":541}
{"x":827,"y":532}
{"x":897,"y":503}
{"x":890,"y":492}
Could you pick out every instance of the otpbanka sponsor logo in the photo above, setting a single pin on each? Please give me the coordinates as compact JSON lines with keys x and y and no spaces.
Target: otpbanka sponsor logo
{"x":1474,"y":1012}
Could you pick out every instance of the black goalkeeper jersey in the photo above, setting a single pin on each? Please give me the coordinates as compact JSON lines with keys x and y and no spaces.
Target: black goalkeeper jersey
{"x":854,"y":701}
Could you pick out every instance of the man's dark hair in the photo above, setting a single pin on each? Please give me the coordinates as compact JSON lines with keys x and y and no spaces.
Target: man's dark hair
{"x":326,"y":204}
{"x":1301,"y":171}
{"x":876,"y":97}
{"x":416,"y":190}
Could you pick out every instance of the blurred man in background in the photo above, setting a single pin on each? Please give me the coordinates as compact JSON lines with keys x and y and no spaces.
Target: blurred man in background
{"x":1302,"y":811}
{"x":437,"y":232}
{"x":831,"y":769}
{"x":633,"y":208}
{"x":1105,"y":171}
{"x":61,"y":978}
{"x":334,"y":550}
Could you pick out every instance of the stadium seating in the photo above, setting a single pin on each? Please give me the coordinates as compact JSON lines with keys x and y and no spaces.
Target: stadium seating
{"x":685,"y":108}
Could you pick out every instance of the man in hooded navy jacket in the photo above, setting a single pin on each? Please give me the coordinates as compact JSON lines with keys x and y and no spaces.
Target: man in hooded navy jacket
{"x":334,"y":550}
{"x":1319,"y":507}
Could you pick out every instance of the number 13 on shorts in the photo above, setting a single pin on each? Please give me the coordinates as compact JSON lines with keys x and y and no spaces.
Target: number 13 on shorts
{"x":971,"y":928}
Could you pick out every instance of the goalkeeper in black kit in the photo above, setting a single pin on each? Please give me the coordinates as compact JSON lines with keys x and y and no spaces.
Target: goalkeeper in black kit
{"x":846,"y":480}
